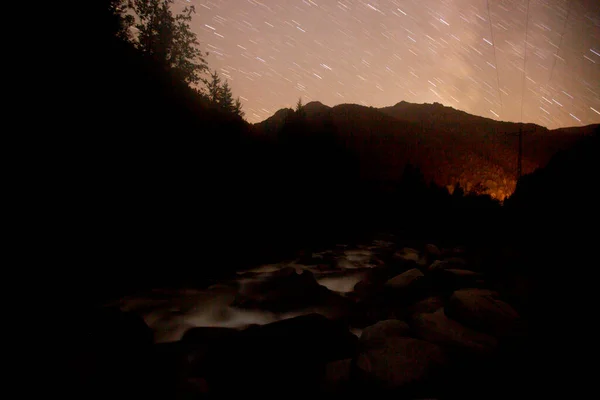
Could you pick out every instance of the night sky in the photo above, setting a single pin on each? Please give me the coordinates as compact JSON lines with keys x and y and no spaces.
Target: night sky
{"x":466,"y":54}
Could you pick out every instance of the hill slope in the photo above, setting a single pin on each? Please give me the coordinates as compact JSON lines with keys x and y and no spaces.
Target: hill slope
{"x":449,"y":145}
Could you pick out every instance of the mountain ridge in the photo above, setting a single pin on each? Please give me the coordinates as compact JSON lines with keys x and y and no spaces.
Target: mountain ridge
{"x":449,"y":145}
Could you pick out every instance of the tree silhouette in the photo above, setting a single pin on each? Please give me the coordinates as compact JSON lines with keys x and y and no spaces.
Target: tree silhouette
{"x":213,"y":85}
{"x":226,"y":98}
{"x":116,"y":21}
{"x":237,"y":108}
{"x":220,"y":95}
{"x":300,"y":108}
{"x":458,"y":191}
{"x":168,"y":39}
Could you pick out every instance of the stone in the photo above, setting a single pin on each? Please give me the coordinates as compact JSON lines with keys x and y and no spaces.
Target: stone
{"x":450,"y":263}
{"x":464,"y":273}
{"x":437,"y":328}
{"x":405,"y":280}
{"x":407,"y":254}
{"x":482,"y":310}
{"x":381,"y":331}
{"x":399,"y":363}
{"x":446,"y":281}
{"x":432,"y":251}
{"x":369,"y":311}
{"x":427,"y":305}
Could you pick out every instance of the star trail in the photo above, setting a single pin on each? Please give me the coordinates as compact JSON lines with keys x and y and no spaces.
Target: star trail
{"x":532,"y":61}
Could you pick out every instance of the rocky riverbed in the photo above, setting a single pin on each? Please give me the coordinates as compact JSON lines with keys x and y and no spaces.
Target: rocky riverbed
{"x":375,"y":319}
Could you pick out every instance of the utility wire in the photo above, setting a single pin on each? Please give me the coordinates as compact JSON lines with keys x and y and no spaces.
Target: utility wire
{"x":524,"y":61}
{"x":560,"y":43}
{"x":495,"y":57}
{"x":559,"y":46}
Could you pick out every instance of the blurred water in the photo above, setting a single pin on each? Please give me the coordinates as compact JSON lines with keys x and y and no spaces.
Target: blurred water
{"x":342,"y":284}
{"x":171,"y":313}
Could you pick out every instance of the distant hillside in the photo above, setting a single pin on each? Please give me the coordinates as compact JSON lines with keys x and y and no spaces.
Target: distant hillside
{"x":449,"y":145}
{"x":565,"y":183}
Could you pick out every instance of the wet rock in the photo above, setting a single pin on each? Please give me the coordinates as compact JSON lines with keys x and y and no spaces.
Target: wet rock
{"x":432,"y":252}
{"x":407,"y":254}
{"x":438,"y":328}
{"x":406,"y":280}
{"x":447,"y":281}
{"x":450,"y":263}
{"x":482,"y":310}
{"x":375,"y":279}
{"x":464,"y":273}
{"x":370,"y":310}
{"x":427,"y":305}
{"x":364,"y":289}
{"x":399,"y":364}
{"x":373,"y":335}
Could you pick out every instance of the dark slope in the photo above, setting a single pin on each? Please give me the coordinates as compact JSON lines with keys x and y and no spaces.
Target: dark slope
{"x":449,"y":145}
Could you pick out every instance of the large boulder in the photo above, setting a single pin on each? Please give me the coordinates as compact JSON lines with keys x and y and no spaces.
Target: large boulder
{"x":406,"y":281}
{"x":437,"y":328}
{"x":426,"y":305}
{"x":398,"y":365}
{"x":371,"y":310}
{"x":375,"y":334}
{"x":407,"y":254}
{"x":432,"y":252}
{"x":464,"y":273}
{"x":446,"y":281}
{"x":406,"y":288}
{"x":200,"y":342}
{"x":449,"y":263}
{"x":373,"y":281}
{"x":483,"y":310}
{"x":364,"y":289}
{"x":379,"y":275}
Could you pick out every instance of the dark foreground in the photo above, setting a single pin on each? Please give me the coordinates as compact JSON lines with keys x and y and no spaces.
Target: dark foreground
{"x":433,"y":323}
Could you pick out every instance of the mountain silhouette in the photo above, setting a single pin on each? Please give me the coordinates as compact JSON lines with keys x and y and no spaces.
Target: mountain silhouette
{"x":448,"y":145}
{"x":316,"y":109}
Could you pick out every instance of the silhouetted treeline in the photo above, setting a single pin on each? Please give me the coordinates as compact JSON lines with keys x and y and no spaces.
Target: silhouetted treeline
{"x":555,"y":209}
{"x":567,"y":182}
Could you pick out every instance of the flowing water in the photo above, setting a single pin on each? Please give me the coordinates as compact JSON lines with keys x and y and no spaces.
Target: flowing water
{"x":171,"y":312}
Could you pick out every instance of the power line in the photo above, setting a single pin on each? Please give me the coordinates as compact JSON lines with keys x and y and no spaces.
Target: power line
{"x":558,"y":48}
{"x":495,"y":57}
{"x":560,"y":43}
{"x":524,"y":61}
{"x":520,"y":147}
{"x":520,"y":150}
